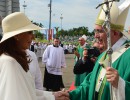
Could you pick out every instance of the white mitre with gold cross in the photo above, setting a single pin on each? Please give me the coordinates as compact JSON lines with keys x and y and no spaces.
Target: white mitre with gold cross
{"x":118,"y":15}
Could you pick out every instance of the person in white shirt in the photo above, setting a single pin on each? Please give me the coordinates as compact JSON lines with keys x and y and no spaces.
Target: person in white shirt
{"x":54,"y":60}
{"x":35,"y":69}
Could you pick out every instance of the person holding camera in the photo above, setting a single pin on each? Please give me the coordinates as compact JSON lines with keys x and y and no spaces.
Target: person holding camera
{"x":88,"y":60}
{"x":78,"y":55}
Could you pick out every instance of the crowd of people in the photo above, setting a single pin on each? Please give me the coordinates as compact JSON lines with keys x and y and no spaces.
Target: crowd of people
{"x":95,"y":79}
{"x":39,"y":47}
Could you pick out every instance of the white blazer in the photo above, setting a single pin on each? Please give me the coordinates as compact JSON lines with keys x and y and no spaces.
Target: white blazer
{"x":35,"y":70}
{"x":16,"y":84}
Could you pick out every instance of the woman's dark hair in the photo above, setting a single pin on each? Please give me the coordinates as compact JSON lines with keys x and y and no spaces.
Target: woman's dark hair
{"x":10,"y":47}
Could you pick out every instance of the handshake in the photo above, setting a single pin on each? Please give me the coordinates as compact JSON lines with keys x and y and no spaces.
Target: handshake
{"x":61,"y":95}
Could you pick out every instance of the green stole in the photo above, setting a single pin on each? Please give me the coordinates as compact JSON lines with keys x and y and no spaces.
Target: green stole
{"x":101,"y":76}
{"x":104,"y":62}
{"x":86,"y":91}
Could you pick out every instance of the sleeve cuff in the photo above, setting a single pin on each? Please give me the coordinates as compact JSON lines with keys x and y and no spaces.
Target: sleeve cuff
{"x":119,"y":93}
{"x":44,"y":95}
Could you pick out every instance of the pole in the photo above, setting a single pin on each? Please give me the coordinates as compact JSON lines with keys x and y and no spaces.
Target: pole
{"x":109,"y":48}
{"x":50,"y":5}
{"x":61,"y":20}
{"x":24,"y":6}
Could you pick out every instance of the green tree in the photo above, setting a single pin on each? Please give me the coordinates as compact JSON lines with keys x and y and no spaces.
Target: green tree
{"x":37,"y":33}
{"x":75,"y":31}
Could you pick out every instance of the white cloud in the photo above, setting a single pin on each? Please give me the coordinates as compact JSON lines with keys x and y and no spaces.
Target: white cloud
{"x":75,"y":12}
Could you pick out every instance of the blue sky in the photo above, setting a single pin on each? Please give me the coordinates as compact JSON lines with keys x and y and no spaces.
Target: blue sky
{"x":75,"y":13}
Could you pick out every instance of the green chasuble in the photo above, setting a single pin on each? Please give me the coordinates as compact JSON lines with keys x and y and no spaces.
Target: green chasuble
{"x":80,"y":77}
{"x":86,"y":91}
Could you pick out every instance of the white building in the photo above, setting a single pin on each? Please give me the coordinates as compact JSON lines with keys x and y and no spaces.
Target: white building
{"x":7,"y":7}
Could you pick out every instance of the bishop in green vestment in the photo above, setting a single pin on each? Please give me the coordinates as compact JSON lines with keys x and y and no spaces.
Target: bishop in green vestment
{"x":80,"y":77}
{"x":96,"y":85}
{"x":86,"y":91}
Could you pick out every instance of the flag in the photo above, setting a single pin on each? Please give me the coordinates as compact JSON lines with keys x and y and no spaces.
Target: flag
{"x":50,"y":34}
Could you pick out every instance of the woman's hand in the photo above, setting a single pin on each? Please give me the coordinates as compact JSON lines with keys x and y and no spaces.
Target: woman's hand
{"x":61,"y":95}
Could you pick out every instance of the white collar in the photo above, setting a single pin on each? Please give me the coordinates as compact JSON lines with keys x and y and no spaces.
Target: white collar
{"x":83,"y":45}
{"x":119,"y":43}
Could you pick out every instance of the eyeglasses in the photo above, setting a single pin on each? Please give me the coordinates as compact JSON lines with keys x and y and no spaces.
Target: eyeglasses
{"x":98,"y":31}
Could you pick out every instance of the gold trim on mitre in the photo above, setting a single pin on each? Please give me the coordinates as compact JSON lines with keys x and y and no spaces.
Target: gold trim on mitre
{"x":118,"y":15}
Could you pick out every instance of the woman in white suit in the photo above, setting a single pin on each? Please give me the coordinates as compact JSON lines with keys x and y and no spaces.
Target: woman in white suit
{"x":16,"y":82}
